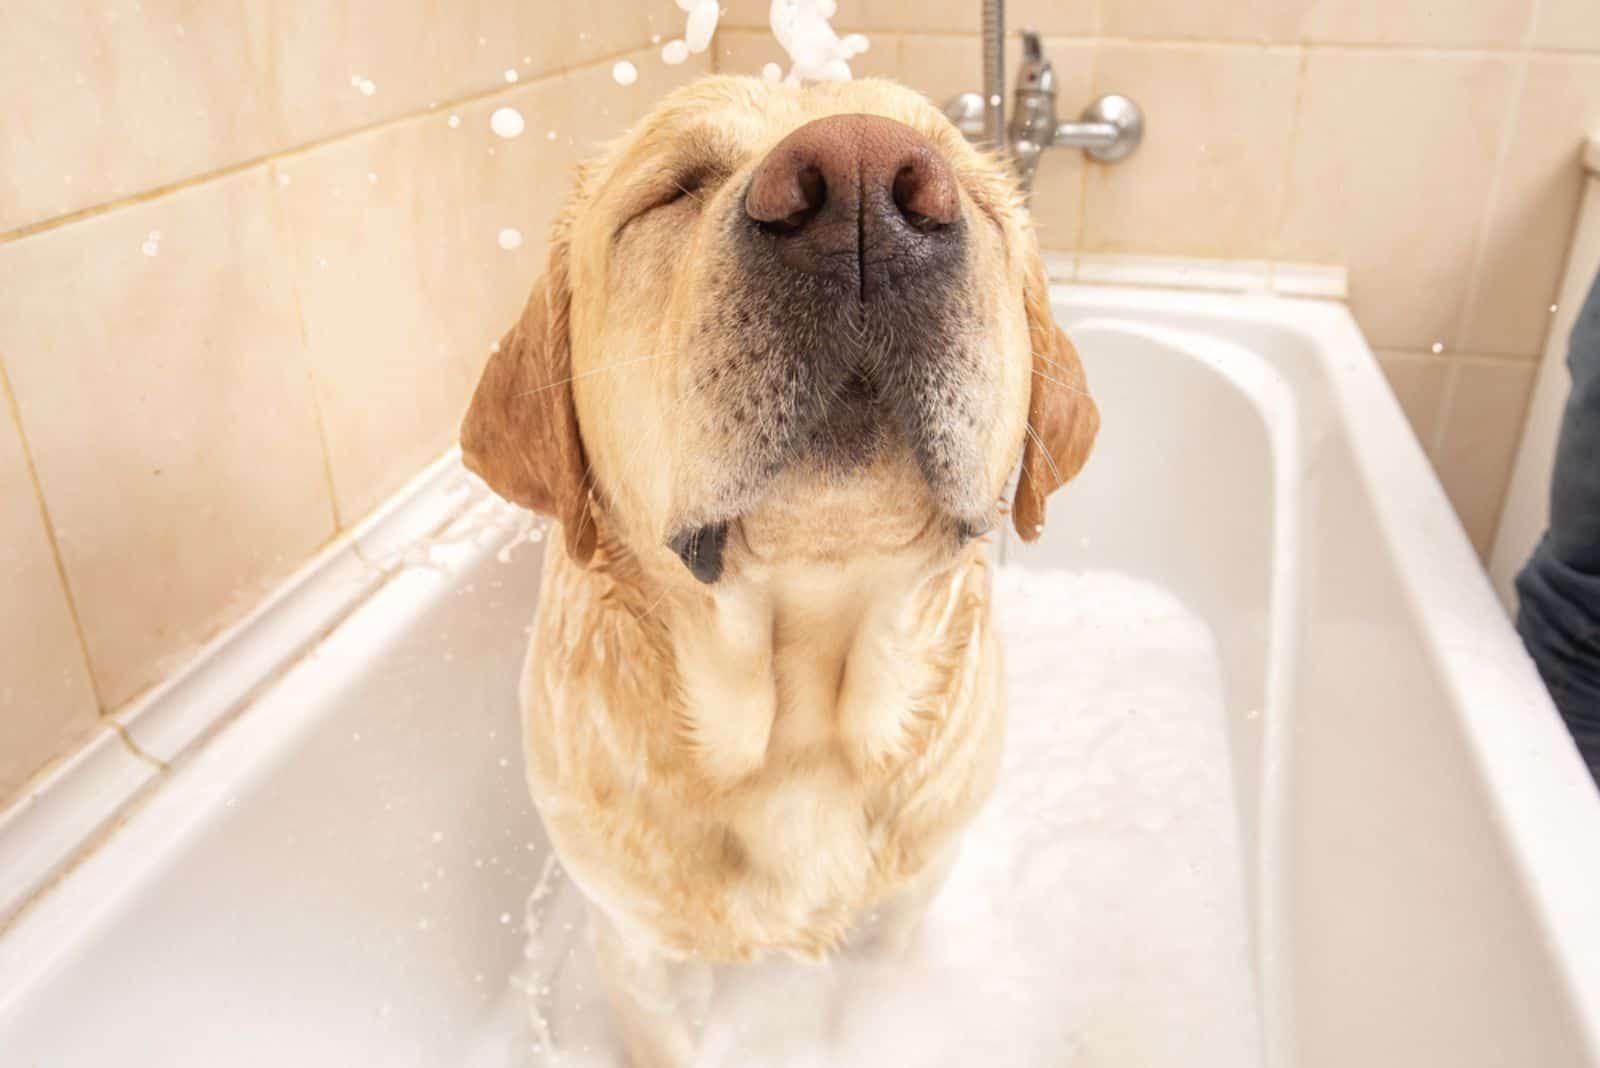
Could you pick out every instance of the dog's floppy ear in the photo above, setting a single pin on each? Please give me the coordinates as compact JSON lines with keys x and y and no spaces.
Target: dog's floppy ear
{"x":520,"y":434}
{"x":1062,"y":417}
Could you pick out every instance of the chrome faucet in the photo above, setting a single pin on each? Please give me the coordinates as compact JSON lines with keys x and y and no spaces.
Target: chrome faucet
{"x":1109,"y":129}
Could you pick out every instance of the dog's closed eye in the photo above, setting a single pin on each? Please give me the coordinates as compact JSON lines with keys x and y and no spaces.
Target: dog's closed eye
{"x":683,"y":191}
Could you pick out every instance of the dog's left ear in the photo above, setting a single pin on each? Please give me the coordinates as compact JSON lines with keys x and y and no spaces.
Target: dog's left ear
{"x":520,"y":434}
{"x":1062,"y":417}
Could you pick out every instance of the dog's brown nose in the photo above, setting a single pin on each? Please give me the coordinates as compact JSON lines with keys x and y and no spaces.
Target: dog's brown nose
{"x":857,"y":196}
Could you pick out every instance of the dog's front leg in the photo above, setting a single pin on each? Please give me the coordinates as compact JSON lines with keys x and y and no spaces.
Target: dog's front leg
{"x":659,"y":1004}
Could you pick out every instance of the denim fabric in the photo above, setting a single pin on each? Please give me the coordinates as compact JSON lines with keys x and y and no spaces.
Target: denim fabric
{"x":1559,"y":588}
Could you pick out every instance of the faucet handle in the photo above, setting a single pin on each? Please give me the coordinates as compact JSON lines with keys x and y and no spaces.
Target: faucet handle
{"x":1032,"y":49}
{"x":1037,"y":74}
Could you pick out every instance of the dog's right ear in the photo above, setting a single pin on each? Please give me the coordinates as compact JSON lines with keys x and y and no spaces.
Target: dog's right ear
{"x":520,"y":434}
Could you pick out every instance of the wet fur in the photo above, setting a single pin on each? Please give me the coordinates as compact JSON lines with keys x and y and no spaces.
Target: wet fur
{"x":751,"y":757}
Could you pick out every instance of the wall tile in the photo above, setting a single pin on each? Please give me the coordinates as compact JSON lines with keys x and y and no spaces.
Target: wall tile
{"x":1208,"y":179}
{"x":415,"y":55}
{"x":47,"y":704}
{"x":110,"y":99}
{"x":1219,"y":20}
{"x":1418,"y":380}
{"x":1568,"y":25}
{"x":162,"y":388}
{"x":1474,"y":24}
{"x":389,"y":278}
{"x":1482,"y":424}
{"x":1397,"y":201}
{"x":519,"y":184}
{"x":1530,"y":223}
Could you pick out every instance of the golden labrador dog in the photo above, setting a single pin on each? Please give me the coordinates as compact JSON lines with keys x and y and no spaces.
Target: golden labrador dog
{"x":789,"y":347}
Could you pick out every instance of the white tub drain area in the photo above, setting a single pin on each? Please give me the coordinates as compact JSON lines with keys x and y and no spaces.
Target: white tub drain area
{"x":1095,"y":916}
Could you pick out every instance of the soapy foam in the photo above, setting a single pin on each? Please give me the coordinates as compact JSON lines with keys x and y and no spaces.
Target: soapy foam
{"x":1094,"y":917}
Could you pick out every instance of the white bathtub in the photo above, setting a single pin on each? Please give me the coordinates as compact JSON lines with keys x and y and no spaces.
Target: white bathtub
{"x":336,"y":875}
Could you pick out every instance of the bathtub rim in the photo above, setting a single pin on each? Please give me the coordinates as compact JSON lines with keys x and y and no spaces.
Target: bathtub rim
{"x":1539,"y":792}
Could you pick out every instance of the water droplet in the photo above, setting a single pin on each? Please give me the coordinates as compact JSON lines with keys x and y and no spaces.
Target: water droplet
{"x":1437,"y":347}
{"x":1553,"y":308}
{"x":510,"y":238}
{"x":152,"y":243}
{"x":551,"y":136}
{"x":511,"y":74}
{"x":772,"y":72}
{"x":283,"y":179}
{"x":506,"y":122}
{"x":674,"y":52}
{"x":438,"y":836}
{"x":453,"y":121}
{"x":372,"y":177}
{"x":505,"y":918}
{"x":422,"y":924}
{"x":364,"y":86}
{"x":624,"y":72}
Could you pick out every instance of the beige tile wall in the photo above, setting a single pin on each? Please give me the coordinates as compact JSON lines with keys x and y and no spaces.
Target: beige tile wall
{"x":242,"y":299}
{"x":1430,"y":146}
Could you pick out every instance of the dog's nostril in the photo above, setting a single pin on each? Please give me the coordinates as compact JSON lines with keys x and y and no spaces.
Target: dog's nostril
{"x":807,"y":198}
{"x":925,"y":196}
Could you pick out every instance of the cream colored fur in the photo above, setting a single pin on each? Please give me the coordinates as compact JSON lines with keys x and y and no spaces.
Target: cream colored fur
{"x":757,"y":765}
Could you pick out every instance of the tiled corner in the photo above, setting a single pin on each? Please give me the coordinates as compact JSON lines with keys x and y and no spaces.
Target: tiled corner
{"x":1373,"y":196}
{"x":1498,"y":24}
{"x":1418,"y":380}
{"x":47,"y":703}
{"x":108,"y":100}
{"x":1477,"y":440}
{"x":1536,"y":200}
{"x":157,"y":364}
{"x":1264,"y":21}
{"x":1208,"y":179}
{"x":1568,"y":25}
{"x":388,"y":277}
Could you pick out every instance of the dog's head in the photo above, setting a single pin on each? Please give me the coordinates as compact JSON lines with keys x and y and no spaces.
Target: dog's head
{"x":818,"y":315}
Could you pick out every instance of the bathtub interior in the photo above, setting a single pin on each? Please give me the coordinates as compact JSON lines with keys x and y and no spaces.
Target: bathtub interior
{"x":339,"y":876}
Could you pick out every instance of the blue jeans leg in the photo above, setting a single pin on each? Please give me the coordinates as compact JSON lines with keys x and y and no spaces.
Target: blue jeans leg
{"x":1559,"y":588}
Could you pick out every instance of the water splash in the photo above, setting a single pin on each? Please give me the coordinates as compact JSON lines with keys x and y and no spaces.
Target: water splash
{"x":816,"y":52}
{"x":507,"y":123}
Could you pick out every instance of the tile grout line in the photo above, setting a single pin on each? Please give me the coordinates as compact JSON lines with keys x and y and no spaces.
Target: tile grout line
{"x":1275,"y":239}
{"x":15,"y":410}
{"x":1253,"y":43}
{"x":1087,"y":168}
{"x":56,"y":222}
{"x":286,"y":235}
{"x":1480,"y":249}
